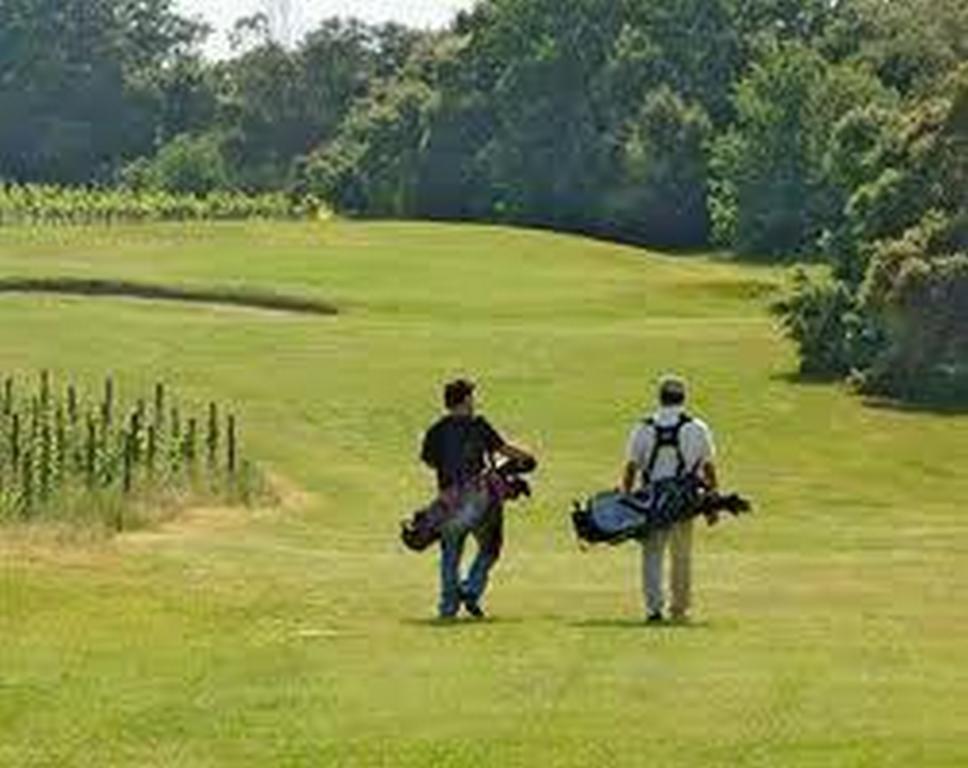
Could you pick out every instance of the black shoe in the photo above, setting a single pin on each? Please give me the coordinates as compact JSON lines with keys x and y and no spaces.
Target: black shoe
{"x":655,"y":617}
{"x":472,"y":606}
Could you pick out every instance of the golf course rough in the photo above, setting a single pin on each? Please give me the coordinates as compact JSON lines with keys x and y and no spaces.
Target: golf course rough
{"x":830,"y":627}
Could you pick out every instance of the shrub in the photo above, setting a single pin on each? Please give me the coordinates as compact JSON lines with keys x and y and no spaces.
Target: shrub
{"x":187,"y":165}
{"x":921,"y":298}
{"x":833,"y":334}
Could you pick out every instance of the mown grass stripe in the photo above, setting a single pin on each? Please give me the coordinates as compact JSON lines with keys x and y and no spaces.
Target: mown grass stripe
{"x":244,"y":297}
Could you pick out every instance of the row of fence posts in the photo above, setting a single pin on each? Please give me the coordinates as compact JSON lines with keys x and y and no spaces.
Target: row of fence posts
{"x":49,"y":443}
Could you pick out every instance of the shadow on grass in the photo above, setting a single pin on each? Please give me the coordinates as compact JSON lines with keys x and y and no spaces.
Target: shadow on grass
{"x":639,"y":624}
{"x":225,"y":295}
{"x":605,"y":623}
{"x":953,"y":404}
{"x":798,"y":379}
{"x":459,"y":623}
{"x":939,"y":407}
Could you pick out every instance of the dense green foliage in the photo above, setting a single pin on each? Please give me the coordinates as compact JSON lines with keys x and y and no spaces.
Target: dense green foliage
{"x":899,"y":253}
{"x":82,"y":84}
{"x":777,"y":129}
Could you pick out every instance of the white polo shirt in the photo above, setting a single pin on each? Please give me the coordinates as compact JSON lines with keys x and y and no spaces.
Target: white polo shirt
{"x":695,"y":442}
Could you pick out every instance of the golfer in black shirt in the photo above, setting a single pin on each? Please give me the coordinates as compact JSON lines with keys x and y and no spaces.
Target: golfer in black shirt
{"x":459,"y":447}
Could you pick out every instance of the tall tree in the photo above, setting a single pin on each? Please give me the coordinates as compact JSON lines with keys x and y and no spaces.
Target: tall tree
{"x":278,"y":105}
{"x":77,"y":83}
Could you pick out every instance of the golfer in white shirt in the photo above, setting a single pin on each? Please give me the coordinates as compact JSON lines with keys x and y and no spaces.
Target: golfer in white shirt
{"x":668,"y":444}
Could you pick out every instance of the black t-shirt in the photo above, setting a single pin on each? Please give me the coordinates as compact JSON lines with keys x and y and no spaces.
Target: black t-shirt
{"x":456,"y":446}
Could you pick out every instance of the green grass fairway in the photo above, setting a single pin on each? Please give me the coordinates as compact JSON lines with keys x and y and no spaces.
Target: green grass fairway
{"x":831,"y":629}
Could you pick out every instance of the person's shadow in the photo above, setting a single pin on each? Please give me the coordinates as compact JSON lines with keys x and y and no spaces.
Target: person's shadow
{"x":639,"y":624}
{"x":599,"y":623}
{"x":463,"y":622}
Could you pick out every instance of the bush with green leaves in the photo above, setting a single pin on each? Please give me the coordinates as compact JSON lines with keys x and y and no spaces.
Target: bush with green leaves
{"x":116,"y":465}
{"x":372,"y":166}
{"x":904,"y":333}
{"x":187,"y":165}
{"x":920,"y":295}
{"x":825,"y":319}
{"x":899,"y":252}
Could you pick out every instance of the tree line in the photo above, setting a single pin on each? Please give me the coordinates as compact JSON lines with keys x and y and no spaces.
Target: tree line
{"x":834,"y":130}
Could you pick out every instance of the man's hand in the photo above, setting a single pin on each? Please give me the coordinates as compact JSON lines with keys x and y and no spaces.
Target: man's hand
{"x":711,"y":479}
{"x":710,"y":476}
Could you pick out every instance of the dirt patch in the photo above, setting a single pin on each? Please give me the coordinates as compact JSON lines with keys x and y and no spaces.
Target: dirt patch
{"x":69,"y":544}
{"x":194,"y":521}
{"x":66,"y":546}
{"x":199,"y":521}
{"x":288,"y":495}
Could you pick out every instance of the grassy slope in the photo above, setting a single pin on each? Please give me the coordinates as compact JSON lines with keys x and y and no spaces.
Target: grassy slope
{"x":830,"y":627}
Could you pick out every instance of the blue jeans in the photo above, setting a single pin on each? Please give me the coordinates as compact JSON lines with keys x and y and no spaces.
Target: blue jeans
{"x":488,"y":532}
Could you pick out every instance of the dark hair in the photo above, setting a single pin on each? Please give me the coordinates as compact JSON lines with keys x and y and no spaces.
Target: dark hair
{"x":672,"y":391}
{"x":672,"y":398}
{"x":456,"y":392}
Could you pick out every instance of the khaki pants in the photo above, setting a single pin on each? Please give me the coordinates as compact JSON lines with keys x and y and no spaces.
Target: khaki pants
{"x":678,"y":539}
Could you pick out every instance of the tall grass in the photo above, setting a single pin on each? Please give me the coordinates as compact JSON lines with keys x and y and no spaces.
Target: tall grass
{"x":54,"y":205}
{"x":118,"y":465}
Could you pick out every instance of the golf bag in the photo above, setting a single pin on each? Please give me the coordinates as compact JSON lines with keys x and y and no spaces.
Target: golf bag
{"x":612,"y":517}
{"x":497,"y":485}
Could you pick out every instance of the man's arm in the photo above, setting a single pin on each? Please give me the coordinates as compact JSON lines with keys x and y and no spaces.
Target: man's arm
{"x":707,"y":471}
{"x":428,"y":449}
{"x":709,"y":475}
{"x":707,"y":451}
{"x":635,"y":450}
{"x":514,"y":453}
{"x":494,"y":443}
{"x":628,"y":477}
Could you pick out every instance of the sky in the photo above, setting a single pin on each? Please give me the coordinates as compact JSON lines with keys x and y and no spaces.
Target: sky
{"x":304,"y":14}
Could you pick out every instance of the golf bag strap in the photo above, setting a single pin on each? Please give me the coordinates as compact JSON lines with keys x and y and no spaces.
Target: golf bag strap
{"x":666,"y":437}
